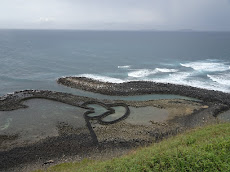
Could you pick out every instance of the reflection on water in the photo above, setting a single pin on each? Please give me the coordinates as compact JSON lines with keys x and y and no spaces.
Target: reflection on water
{"x":40,"y":119}
{"x":224,"y":116}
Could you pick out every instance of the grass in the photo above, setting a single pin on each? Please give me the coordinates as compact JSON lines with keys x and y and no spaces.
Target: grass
{"x":202,"y":149}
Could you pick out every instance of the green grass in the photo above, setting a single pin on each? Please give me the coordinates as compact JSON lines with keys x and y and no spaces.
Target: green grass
{"x":202,"y":149}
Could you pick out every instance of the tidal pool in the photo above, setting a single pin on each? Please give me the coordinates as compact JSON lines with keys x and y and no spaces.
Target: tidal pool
{"x":40,"y":119}
{"x":119,"y":112}
{"x":138,"y":116}
{"x":147,"y":115}
{"x":43,"y":117}
{"x":98,"y":110}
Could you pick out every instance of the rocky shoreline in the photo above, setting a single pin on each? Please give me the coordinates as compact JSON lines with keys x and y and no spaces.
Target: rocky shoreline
{"x":116,"y":138}
{"x":144,"y":87}
{"x":217,"y":101}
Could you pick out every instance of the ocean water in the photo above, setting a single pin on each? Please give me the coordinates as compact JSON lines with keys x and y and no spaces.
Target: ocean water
{"x":34,"y":59}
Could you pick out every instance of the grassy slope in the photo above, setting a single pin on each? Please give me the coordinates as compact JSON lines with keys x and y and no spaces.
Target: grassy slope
{"x":204,"y":149}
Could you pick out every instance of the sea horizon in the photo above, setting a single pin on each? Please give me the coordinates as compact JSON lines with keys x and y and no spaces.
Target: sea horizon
{"x":113,"y":30}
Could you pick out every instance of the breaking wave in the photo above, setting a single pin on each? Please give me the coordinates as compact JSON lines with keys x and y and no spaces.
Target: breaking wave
{"x":103,"y":78}
{"x":141,"y":73}
{"x":207,"y":66}
{"x":184,"y":80}
{"x":223,"y":79}
{"x":166,"y":70}
{"x":146,"y":72}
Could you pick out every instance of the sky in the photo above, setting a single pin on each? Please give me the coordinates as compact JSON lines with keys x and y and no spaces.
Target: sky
{"x":201,"y":15}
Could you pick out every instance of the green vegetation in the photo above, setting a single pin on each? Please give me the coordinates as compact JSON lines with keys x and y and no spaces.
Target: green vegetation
{"x":202,"y":149}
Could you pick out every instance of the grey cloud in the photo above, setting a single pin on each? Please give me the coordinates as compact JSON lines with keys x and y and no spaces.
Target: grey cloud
{"x":116,"y":14}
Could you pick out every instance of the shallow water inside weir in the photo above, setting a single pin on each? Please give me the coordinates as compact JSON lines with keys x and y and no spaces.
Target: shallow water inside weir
{"x":98,"y":110}
{"x":138,"y":115}
{"x":147,"y":115}
{"x":40,"y":119}
{"x":119,"y":112}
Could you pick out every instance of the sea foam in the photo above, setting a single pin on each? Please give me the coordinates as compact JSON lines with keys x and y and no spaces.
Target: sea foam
{"x":124,"y":67}
{"x":141,"y":73}
{"x":184,"y":79}
{"x":146,"y":72}
{"x":166,"y":70}
{"x":220,"y":78}
{"x":174,"y":78}
{"x":102,"y":78}
{"x":206,"y":66}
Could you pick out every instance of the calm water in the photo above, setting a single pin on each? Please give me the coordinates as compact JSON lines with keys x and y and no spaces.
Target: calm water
{"x":42,"y":118}
{"x":31,"y":59}
{"x":140,"y":115}
{"x":39,"y":121}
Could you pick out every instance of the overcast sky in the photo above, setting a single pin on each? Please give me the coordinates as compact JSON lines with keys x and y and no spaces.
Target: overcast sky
{"x":116,"y":14}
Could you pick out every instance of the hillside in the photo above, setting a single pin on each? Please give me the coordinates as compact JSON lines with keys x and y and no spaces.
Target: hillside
{"x":201,"y":149}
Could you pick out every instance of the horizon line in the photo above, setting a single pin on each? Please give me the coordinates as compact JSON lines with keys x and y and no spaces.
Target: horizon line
{"x":116,"y":30}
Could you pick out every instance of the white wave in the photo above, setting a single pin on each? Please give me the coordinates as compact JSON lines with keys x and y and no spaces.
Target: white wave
{"x":184,"y":80}
{"x":124,"y":67}
{"x":181,"y":78}
{"x":175,"y":78}
{"x":207,"y":66}
{"x":146,"y":72}
{"x":223,"y":79}
{"x":141,"y":73}
{"x":102,"y":78}
{"x":207,"y":85}
{"x":166,"y":70}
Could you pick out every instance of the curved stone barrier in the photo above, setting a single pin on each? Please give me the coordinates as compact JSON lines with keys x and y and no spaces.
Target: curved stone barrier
{"x":144,"y":87}
{"x":100,"y":117}
{"x":80,"y":143}
{"x":14,"y":101}
{"x":109,"y":111}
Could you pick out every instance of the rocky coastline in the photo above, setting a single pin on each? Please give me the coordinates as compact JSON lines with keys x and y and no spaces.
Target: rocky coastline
{"x":143,"y":87}
{"x":116,"y":138}
{"x":217,"y":101}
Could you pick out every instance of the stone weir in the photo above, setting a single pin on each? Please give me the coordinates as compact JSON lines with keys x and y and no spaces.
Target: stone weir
{"x":101,"y":138}
{"x":15,"y":100}
{"x":144,"y":87}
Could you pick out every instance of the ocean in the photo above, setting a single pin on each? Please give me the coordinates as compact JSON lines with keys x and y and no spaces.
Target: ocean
{"x":34,"y":59}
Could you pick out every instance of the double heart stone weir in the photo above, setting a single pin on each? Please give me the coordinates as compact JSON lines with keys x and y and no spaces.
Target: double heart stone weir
{"x":99,"y":118}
